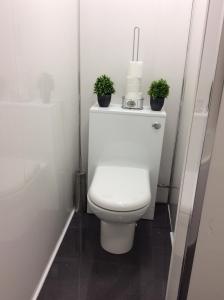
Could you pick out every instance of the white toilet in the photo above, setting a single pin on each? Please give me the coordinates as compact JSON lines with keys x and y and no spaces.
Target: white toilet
{"x":123,"y":166}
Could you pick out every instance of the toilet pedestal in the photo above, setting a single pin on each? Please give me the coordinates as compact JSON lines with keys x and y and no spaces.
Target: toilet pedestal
{"x":117,"y":238}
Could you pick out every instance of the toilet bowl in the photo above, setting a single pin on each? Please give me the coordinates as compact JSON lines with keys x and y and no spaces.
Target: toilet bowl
{"x":119,"y":196}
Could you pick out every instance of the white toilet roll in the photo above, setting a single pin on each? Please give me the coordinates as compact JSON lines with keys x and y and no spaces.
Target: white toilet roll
{"x":134,"y":96}
{"x":133,"y":84}
{"x":135,"y":69}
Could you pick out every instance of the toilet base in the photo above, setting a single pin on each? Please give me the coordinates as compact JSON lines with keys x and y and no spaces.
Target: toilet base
{"x":117,"y":238}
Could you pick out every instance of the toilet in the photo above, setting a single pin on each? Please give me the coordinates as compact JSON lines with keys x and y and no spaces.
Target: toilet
{"x":123,"y":166}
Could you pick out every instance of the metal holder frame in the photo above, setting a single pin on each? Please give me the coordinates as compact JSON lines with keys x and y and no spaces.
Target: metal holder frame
{"x":136,"y":28}
{"x":131,"y":103}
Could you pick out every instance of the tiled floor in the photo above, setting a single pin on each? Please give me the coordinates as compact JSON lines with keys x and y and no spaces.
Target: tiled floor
{"x":82,"y":270}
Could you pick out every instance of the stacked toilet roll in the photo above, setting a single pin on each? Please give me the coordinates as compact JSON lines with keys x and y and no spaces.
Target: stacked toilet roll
{"x":134,"y":78}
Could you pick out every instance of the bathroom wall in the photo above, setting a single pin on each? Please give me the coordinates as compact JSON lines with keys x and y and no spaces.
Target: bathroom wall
{"x":106,"y":47}
{"x":210,"y":244}
{"x":38,"y":136}
{"x":198,"y":80}
{"x":199,"y":122}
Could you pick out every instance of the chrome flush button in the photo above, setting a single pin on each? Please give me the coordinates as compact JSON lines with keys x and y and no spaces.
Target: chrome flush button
{"x":156,"y":125}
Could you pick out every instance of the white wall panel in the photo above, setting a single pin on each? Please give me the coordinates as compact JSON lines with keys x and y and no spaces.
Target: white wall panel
{"x":38,"y":126}
{"x":106,"y":46}
{"x":199,"y":76}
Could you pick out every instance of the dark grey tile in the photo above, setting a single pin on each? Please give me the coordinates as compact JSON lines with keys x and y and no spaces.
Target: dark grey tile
{"x":62,"y":281}
{"x":82,"y":270}
{"x":156,"y":238}
{"x":90,"y":221}
{"x":161,"y":218}
{"x":71,"y":245}
{"x":102,"y":280}
{"x":76,"y":221}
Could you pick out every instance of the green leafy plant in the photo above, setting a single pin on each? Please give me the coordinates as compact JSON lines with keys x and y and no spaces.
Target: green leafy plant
{"x":104,"y":86}
{"x":159,"y":89}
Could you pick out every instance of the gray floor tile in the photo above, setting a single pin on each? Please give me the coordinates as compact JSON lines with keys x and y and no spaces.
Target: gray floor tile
{"x":82,"y":270}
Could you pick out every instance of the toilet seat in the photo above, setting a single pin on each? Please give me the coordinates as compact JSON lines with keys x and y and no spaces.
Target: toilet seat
{"x":119,"y":217}
{"x":119,"y":188}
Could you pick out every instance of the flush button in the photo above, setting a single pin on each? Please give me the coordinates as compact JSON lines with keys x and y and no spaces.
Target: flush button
{"x":156,"y":125}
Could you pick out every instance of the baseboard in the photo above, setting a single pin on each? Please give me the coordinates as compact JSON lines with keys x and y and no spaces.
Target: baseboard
{"x":171,"y":238}
{"x":52,"y":257}
{"x":171,"y":232}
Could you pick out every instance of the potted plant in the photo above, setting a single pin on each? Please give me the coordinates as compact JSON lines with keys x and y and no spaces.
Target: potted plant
{"x":158,"y":91}
{"x":104,"y":88}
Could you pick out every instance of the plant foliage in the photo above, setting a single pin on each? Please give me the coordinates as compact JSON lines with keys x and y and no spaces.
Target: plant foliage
{"x":104,"y":86}
{"x":159,"y":89}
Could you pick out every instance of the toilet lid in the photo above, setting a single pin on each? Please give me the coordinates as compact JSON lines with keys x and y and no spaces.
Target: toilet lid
{"x":120,"y":188}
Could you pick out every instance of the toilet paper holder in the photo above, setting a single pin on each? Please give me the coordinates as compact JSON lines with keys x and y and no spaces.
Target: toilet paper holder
{"x":136,"y":30}
{"x":128,"y":103}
